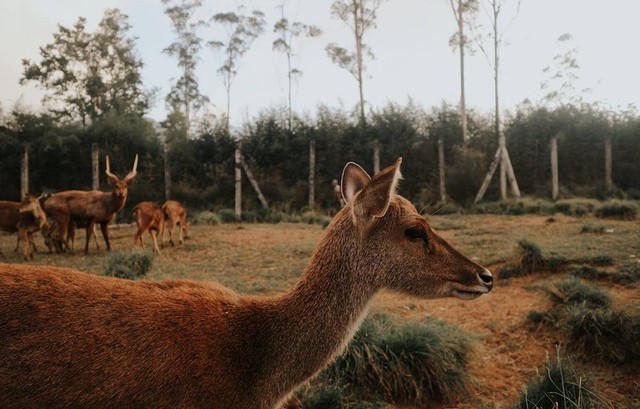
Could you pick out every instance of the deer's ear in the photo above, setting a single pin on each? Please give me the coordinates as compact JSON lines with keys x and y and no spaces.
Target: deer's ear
{"x":373,"y":201}
{"x":354,"y":179}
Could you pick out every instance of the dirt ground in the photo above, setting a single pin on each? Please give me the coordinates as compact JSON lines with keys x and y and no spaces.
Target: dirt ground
{"x":258,"y":258}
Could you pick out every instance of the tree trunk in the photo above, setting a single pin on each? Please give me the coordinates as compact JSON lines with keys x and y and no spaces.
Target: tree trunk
{"x":497,"y":159}
{"x":238,"y":199}
{"x":312,"y":173}
{"x":441,"y":170}
{"x":167,"y":173}
{"x":503,"y":166}
{"x":24,"y":173}
{"x":554,"y":167}
{"x":608,"y":177}
{"x":463,"y":107}
{"x":95,"y":166}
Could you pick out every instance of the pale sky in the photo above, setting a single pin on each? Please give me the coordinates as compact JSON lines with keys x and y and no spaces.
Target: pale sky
{"x":411,"y":45}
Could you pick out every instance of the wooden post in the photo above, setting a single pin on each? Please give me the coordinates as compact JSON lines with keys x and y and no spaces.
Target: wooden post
{"x":238,"y":199}
{"x":253,"y":182}
{"x":167,"y":173}
{"x":312,"y":172}
{"x":441,"y":170}
{"x":497,"y":158}
{"x":95,"y":166}
{"x":24,"y":173}
{"x":376,"y":157}
{"x":608,"y":178}
{"x":554,"y":167}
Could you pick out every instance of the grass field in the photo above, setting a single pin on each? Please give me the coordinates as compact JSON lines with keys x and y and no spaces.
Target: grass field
{"x":264,"y":259}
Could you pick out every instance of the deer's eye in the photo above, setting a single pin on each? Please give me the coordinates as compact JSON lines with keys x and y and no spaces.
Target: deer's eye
{"x":416,"y":233}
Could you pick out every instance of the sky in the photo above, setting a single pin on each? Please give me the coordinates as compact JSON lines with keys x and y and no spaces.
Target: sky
{"x":413,"y":59}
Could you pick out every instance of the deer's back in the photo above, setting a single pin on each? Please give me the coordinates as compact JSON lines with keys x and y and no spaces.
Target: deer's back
{"x":73,"y":339}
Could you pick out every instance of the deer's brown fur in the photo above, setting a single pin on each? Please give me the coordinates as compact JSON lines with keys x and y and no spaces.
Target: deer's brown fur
{"x":175,"y":215}
{"x":149,"y":217}
{"x":25,"y":218}
{"x":69,"y":339}
{"x":90,"y":207}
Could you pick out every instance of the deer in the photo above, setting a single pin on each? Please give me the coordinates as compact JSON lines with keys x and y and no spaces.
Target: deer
{"x":25,"y":218}
{"x":72,"y":339}
{"x":90,"y":207}
{"x":175,"y":214}
{"x":148,"y":217}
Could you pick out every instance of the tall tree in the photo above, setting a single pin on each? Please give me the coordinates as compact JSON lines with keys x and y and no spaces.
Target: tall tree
{"x":493,"y":9}
{"x":464,"y":12}
{"x":241,"y":30}
{"x":287,"y":32}
{"x":185,"y":92}
{"x":87,"y":75}
{"x":359,"y":16}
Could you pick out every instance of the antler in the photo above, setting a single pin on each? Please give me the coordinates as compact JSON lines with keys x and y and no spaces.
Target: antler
{"x":134,"y":171}
{"x":108,"y":170}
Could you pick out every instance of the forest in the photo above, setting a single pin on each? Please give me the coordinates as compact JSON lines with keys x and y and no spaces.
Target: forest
{"x":95,"y":97}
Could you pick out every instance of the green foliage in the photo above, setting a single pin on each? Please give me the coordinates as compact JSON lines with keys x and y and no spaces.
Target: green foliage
{"x":618,"y":210}
{"x":130,"y":265}
{"x":228,"y":216}
{"x":315,"y":218}
{"x":410,"y":364}
{"x":559,"y":384}
{"x":206,"y":217}
{"x":574,"y":292}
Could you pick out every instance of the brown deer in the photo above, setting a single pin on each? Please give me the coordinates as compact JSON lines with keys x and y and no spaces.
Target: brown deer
{"x":148,"y":217}
{"x":70,"y":339}
{"x":25,"y":218}
{"x":90,"y":207}
{"x":175,"y":214}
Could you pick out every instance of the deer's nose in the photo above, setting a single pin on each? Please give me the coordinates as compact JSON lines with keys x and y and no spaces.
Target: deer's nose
{"x":486,"y":278}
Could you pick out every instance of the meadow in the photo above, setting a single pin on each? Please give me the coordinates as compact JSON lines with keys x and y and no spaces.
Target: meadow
{"x":508,"y":349}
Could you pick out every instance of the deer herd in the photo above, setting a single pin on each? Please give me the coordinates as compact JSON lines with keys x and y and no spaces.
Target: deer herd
{"x":75,"y":340}
{"x":72,"y":209}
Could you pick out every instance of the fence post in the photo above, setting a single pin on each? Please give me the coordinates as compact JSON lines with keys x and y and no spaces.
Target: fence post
{"x":24,"y":173}
{"x":95,"y":166}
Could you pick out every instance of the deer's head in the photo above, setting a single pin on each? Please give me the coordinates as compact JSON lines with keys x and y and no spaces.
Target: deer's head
{"x":398,"y":244}
{"x":121,"y":186}
{"x":31,"y":205}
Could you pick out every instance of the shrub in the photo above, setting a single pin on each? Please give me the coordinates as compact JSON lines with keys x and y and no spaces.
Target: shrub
{"x":206,"y":217}
{"x":228,"y":216}
{"x":602,"y":334}
{"x":315,"y":218}
{"x":249,"y":216}
{"x":574,"y":291}
{"x":410,"y":364}
{"x":327,"y":395}
{"x":587,"y":272}
{"x":624,"y":210}
{"x":559,"y":386}
{"x":130,"y":265}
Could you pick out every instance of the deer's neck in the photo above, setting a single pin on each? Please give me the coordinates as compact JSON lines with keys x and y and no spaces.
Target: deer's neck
{"x":316,"y":319}
{"x":117,"y":202}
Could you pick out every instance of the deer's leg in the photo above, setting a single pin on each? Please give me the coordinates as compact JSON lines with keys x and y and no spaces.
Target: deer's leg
{"x":154,"y":233}
{"x":171,"y":224}
{"x":137,"y":238}
{"x":180,"y":240}
{"x":104,"y":226}
{"x":95,"y":238}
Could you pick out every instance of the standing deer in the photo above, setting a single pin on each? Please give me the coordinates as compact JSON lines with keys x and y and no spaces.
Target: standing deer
{"x":90,"y":207}
{"x":70,"y":339}
{"x":175,"y":214}
{"x":149,"y":217}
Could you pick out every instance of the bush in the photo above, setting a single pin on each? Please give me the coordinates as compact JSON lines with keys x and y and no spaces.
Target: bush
{"x":206,"y":217}
{"x":559,"y":386}
{"x":573,"y":292}
{"x":315,"y":218}
{"x":624,"y":210}
{"x":410,"y":364}
{"x":130,"y":265}
{"x":228,"y":216}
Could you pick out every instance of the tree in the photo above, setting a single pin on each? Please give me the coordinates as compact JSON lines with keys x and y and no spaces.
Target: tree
{"x":359,"y":16}
{"x":241,"y":30}
{"x":287,"y":33}
{"x":502,"y":155}
{"x":185,"y":92}
{"x":87,"y":75}
{"x":464,"y":12}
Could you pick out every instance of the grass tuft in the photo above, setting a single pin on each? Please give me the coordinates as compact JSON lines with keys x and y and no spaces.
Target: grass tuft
{"x":130,"y":265}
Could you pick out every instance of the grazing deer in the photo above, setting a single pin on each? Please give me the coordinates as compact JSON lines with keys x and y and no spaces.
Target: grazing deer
{"x":149,"y":217}
{"x":25,"y":218}
{"x":70,"y":339}
{"x":175,"y":214}
{"x":90,"y":207}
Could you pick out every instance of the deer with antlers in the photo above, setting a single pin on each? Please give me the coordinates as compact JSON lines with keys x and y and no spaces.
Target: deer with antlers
{"x":89,"y":208}
{"x":70,"y":339}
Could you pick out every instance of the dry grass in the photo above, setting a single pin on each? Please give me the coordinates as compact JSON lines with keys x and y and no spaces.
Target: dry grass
{"x":266,"y":259}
